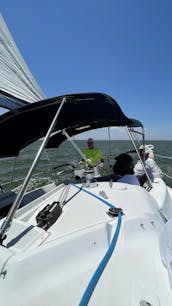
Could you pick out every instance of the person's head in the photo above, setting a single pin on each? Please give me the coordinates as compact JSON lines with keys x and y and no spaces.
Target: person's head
{"x":90,"y":143}
{"x":146,"y":150}
{"x":124,"y":164}
{"x":142,"y":152}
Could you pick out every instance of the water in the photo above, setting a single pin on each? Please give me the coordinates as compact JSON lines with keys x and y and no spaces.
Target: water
{"x":45,"y":171}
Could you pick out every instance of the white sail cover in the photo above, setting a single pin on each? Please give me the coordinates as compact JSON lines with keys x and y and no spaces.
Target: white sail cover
{"x":15,"y":77}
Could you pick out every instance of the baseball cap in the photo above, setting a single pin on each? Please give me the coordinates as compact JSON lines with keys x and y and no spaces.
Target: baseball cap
{"x":124,"y":164}
{"x":124,"y":158}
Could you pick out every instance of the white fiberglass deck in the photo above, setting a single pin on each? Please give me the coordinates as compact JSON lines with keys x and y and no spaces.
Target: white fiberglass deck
{"x":55,"y":268}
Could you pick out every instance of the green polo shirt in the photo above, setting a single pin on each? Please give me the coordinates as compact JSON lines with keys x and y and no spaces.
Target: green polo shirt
{"x":95,"y":155}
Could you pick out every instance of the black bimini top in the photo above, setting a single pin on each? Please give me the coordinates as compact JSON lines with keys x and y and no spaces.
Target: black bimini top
{"x":10,"y":102}
{"x":80,"y":113}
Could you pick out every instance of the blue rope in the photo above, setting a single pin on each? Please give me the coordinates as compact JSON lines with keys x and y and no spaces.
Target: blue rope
{"x":94,"y":195}
{"x":93,"y":281}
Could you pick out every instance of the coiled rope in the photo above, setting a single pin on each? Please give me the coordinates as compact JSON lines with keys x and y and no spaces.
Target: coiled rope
{"x":93,"y":281}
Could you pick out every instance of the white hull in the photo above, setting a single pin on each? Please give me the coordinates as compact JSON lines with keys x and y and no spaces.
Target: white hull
{"x":54,"y":267}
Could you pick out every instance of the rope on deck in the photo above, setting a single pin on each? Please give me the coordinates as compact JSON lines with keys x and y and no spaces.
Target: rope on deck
{"x":96,"y":276}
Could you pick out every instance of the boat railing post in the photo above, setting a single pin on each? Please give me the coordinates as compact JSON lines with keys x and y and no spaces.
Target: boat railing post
{"x":142,"y":161}
{"x":16,"y":204}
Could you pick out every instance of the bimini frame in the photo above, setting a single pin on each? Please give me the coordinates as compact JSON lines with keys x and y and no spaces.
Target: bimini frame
{"x":8,"y":220}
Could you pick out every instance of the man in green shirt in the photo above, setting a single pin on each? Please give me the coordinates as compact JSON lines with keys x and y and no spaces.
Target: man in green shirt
{"x":93,"y":154}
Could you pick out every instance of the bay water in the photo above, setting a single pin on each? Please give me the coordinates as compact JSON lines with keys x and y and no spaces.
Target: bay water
{"x":60,"y":161}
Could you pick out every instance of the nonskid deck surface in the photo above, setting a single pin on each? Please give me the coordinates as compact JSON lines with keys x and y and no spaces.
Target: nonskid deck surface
{"x":64,"y":258}
{"x":83,"y":209}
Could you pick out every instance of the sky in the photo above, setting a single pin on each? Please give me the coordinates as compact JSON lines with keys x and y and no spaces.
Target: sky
{"x":120,"y":47}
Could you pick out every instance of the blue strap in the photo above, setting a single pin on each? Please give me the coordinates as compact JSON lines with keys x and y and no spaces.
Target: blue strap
{"x":93,"y":281}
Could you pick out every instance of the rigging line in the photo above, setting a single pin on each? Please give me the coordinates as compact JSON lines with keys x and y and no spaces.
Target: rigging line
{"x":47,"y":156}
{"x":167,"y":175}
{"x":14,"y":168}
{"x":162,"y":156}
{"x":136,"y":138}
{"x":49,"y":170}
{"x":21,"y":179}
{"x":110,"y":149}
{"x":63,"y":195}
{"x":68,"y":200}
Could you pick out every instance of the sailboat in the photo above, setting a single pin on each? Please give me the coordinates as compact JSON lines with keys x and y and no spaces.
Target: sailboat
{"x":95,"y":240}
{"x":18,"y":88}
{"x":89,"y":242}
